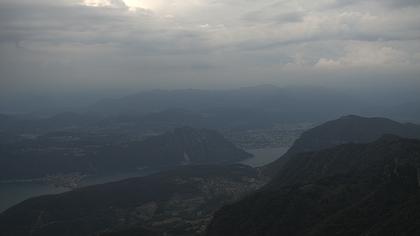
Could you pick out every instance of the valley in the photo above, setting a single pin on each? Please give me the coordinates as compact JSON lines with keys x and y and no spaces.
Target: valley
{"x":207,"y":199}
{"x":209,"y":118}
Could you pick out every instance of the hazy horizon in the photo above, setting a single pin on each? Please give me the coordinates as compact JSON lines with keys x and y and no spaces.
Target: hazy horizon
{"x":124,"y":46}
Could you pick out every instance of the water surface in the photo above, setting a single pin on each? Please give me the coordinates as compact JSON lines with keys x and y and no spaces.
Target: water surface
{"x":12,"y":193}
{"x":264,"y":156}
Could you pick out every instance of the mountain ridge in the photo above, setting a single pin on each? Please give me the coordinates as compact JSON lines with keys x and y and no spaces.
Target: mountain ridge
{"x":346,"y":129}
{"x":177,"y":202}
{"x":351,"y":189}
{"x":64,"y":152}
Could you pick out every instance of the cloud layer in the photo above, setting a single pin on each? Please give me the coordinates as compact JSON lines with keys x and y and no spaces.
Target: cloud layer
{"x":197,"y":43}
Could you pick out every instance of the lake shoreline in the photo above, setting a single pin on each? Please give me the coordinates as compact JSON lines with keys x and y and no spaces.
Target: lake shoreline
{"x":13,"y":192}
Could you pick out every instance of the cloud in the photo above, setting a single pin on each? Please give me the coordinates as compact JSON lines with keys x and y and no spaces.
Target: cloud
{"x":383,"y":3}
{"x":367,"y":56}
{"x":157,"y":43}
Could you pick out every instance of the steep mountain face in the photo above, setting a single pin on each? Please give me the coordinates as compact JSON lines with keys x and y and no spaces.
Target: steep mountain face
{"x":347,"y":129}
{"x":64,"y":152}
{"x":352,"y":189}
{"x":176,"y":202}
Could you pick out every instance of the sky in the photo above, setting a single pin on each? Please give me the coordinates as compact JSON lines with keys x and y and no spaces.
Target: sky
{"x":70,"y":45}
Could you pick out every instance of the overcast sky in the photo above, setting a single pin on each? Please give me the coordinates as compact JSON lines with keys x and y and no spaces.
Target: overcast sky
{"x":141,"y":44}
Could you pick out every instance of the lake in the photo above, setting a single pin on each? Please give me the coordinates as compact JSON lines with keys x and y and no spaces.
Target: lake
{"x":264,"y":156}
{"x":12,"y":193}
{"x":15,"y":192}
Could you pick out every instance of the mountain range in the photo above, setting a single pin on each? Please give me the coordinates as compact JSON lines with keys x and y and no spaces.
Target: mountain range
{"x":350,"y":176}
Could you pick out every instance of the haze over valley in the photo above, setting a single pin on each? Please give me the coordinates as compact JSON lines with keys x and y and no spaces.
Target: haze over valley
{"x":209,"y":118}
